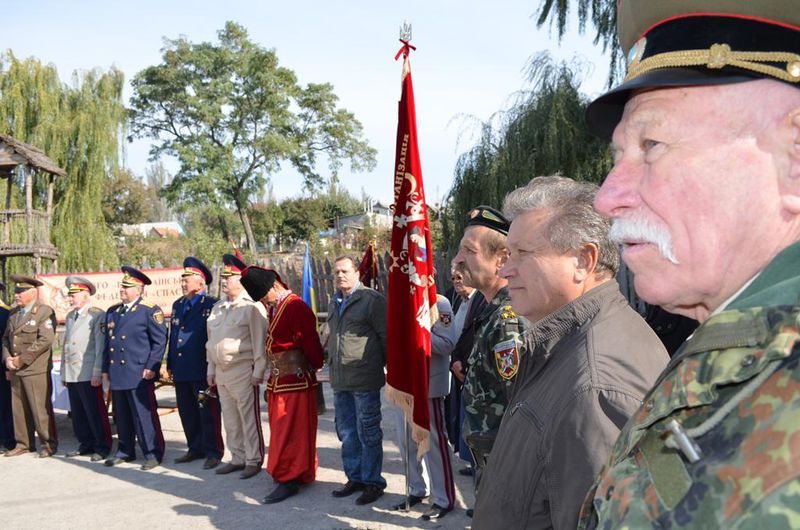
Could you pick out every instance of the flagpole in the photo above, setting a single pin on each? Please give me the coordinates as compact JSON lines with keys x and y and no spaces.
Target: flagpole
{"x":405,"y":37}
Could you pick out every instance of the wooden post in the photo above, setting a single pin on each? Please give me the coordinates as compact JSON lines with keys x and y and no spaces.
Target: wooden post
{"x":7,"y":224}
{"x":29,"y":204}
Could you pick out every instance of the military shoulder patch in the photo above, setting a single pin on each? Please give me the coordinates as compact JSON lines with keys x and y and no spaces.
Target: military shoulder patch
{"x":158,"y":316}
{"x":446,"y":319}
{"x":506,"y":358}
{"x":506,"y":312}
{"x":48,"y":323}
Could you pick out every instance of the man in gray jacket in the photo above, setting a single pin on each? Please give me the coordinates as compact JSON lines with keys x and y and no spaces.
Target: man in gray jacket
{"x":589,"y":359}
{"x":82,"y":370}
{"x":437,"y":458}
{"x":356,"y":354}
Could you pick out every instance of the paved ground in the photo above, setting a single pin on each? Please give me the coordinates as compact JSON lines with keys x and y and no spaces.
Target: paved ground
{"x":75,"y":493}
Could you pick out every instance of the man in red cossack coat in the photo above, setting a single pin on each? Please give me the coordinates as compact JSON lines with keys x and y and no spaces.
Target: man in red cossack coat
{"x":295,"y":353}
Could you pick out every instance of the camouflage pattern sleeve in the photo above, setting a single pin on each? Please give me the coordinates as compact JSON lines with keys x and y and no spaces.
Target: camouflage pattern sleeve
{"x":733,"y":397}
{"x":493,"y":364}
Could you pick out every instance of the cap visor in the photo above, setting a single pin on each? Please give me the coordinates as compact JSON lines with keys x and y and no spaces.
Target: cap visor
{"x":604,"y":113}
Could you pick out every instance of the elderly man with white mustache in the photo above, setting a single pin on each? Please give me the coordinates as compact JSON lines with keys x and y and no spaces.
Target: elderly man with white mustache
{"x":705,"y":197}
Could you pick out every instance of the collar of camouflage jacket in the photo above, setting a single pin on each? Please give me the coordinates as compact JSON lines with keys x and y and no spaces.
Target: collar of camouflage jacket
{"x":777,"y":285}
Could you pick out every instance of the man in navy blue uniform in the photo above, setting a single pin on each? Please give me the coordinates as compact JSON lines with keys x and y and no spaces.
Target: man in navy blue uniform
{"x":187,"y":366}
{"x":135,"y":340}
{"x":7,"y":440}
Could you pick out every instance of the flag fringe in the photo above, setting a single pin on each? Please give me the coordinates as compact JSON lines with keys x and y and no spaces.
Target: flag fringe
{"x":405,"y":401}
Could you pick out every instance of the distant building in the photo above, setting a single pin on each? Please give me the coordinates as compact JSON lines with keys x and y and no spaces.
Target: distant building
{"x":159,"y":230}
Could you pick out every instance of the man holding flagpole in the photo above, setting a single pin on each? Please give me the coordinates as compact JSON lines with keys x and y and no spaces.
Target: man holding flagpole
{"x":411,"y":292}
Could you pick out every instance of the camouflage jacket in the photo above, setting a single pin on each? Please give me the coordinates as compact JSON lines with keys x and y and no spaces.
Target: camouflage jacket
{"x":716,"y":442}
{"x":492,"y":365}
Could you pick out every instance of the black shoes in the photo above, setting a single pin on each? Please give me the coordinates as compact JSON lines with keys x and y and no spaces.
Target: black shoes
{"x":281,"y":493}
{"x":249,"y":471}
{"x":348,"y":489}
{"x":466,"y":471}
{"x":116,"y":460}
{"x":229,"y":468}
{"x":211,"y":462}
{"x":413,"y":500}
{"x":149,"y":464}
{"x":435,"y":512}
{"x":370,"y":495}
{"x":188,"y":457}
{"x":470,"y":511}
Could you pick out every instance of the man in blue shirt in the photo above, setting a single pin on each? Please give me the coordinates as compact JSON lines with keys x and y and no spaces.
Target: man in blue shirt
{"x":187,"y":366}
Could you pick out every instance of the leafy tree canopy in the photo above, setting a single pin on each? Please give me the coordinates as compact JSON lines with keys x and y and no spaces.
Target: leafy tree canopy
{"x":543,"y":133}
{"x":231,"y":115}
{"x":603,"y":16}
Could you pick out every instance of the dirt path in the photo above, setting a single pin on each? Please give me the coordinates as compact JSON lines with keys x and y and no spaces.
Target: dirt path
{"x":59,"y":493}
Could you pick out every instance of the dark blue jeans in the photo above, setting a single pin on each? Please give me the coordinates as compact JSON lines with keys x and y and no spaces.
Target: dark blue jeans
{"x":358,"y":425}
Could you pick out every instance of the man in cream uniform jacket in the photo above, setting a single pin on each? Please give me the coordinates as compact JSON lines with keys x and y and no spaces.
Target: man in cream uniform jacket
{"x":81,"y":370}
{"x":236,"y":353}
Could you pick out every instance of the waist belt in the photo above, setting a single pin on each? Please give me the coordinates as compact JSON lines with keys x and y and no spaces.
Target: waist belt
{"x":289,"y":362}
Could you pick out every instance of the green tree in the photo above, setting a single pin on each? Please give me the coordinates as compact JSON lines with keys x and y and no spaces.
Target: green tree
{"x":230,"y":115}
{"x":603,"y":16}
{"x":303,"y":218}
{"x":158,"y":178}
{"x":543,"y":133}
{"x":79,"y":126}
{"x":126,"y":199}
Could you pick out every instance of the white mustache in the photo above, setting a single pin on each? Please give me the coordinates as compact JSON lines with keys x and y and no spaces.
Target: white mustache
{"x":643,"y":231}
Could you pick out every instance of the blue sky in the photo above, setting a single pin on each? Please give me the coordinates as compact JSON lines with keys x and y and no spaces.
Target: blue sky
{"x":469,"y":63}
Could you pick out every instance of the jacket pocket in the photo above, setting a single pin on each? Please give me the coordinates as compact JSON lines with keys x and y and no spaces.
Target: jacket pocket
{"x":352,"y":349}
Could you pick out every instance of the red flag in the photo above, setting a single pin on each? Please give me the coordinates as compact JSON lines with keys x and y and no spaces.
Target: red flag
{"x":238,"y":254}
{"x":412,"y":293}
{"x":368,"y":269}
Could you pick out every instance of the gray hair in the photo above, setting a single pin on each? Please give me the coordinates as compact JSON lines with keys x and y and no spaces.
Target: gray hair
{"x":346,"y":257}
{"x":572,"y":221}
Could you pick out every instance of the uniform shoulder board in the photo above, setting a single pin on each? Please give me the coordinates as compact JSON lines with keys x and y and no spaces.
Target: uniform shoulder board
{"x":506,"y":313}
{"x":145,"y":303}
{"x":94,"y":310}
{"x":113,"y":308}
{"x":3,"y":305}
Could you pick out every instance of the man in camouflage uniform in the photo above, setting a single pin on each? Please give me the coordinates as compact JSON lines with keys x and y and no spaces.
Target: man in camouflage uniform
{"x":494,"y":360}
{"x":705,"y":197}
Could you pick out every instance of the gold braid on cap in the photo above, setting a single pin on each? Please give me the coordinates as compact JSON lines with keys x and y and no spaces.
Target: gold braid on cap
{"x":719,"y":56}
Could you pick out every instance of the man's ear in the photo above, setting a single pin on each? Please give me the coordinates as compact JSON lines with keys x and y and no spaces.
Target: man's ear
{"x":790,"y":188}
{"x":587,"y":257}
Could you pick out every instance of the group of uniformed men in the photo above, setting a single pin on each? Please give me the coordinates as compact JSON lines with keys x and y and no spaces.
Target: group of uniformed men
{"x":218,"y":352}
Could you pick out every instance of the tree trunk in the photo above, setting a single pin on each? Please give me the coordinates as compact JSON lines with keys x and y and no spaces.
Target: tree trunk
{"x":226,"y":235}
{"x":241,"y":207}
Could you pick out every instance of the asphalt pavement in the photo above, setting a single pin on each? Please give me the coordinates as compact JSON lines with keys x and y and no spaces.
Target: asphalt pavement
{"x":59,"y":492}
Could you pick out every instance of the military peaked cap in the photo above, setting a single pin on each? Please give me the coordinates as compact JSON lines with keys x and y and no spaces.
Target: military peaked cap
{"x":231,"y":265}
{"x":194,"y":267}
{"x":134,"y":277}
{"x":671,"y":43}
{"x":77,"y":284}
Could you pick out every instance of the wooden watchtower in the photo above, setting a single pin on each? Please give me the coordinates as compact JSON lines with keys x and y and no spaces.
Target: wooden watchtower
{"x":26,"y":232}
